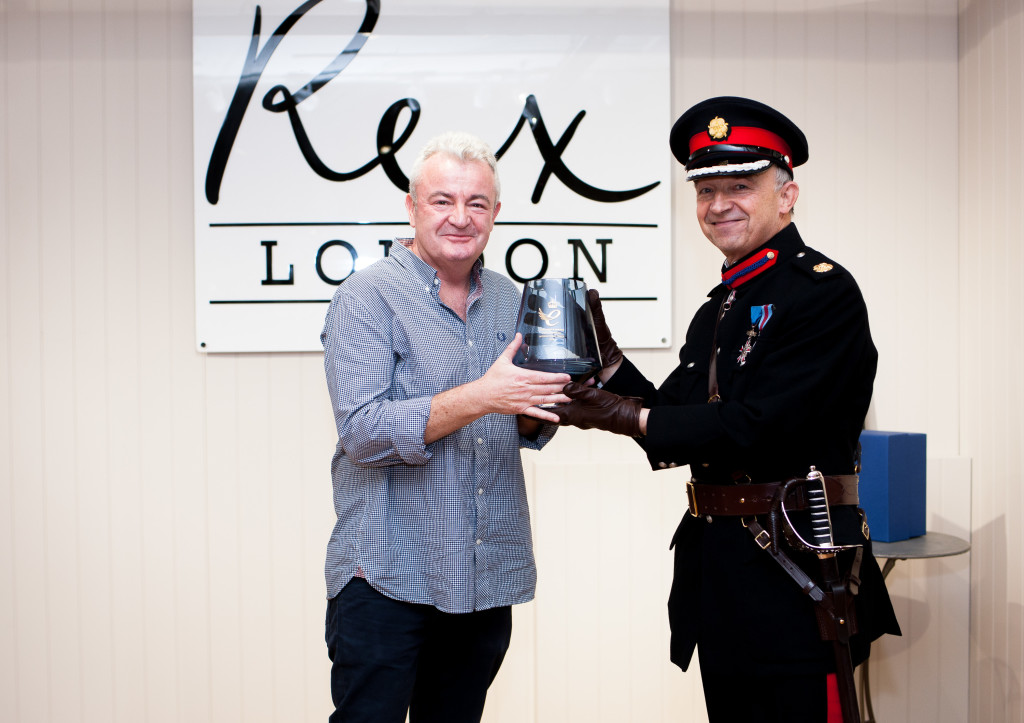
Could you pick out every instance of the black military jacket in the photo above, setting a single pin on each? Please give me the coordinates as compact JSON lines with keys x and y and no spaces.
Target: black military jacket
{"x":795,"y":368}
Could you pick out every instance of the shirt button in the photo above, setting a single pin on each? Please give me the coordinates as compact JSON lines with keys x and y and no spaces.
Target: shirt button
{"x":662,"y":465}
{"x":471,"y":342}
{"x":480,"y":491}
{"x":436,"y":282}
{"x":690,"y":365}
{"x":479,"y":440}
{"x":479,"y":542}
{"x":672,"y":464}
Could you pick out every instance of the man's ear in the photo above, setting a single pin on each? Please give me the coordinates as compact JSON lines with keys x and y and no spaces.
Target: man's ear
{"x":787,"y":197}
{"x":410,"y":205}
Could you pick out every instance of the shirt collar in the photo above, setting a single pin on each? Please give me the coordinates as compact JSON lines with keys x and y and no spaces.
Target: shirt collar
{"x":402,"y":252}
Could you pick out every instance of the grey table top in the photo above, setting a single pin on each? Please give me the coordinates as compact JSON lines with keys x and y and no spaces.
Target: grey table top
{"x":930,"y":544}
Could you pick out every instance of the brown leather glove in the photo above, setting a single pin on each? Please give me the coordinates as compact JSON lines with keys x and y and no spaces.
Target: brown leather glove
{"x":610,"y":351}
{"x":593,"y":408}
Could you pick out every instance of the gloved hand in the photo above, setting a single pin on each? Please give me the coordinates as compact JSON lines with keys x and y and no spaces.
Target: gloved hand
{"x":593,"y":408}
{"x":610,"y":352}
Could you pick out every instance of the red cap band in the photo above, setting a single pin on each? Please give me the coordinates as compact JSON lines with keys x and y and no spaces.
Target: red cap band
{"x":744,"y":136}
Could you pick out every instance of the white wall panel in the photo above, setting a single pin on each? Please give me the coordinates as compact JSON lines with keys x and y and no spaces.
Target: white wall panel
{"x":8,"y":620}
{"x":26,"y":462}
{"x":923,"y":675}
{"x":991,"y":154}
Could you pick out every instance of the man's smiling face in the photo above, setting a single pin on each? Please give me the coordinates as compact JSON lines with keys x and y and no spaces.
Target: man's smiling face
{"x":453,"y":213}
{"x":740,"y":213}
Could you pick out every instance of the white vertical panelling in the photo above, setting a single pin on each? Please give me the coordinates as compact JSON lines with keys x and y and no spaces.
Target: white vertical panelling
{"x":991,"y":154}
{"x":59,"y":477}
{"x":923,"y":675}
{"x":88,"y":431}
{"x":1013,"y":195}
{"x":512,"y":697}
{"x":976,"y":262}
{"x":601,"y":535}
{"x":194,"y":523}
{"x":225,"y":494}
{"x":27,"y":462}
{"x":940,"y":673}
{"x":284,"y":468}
{"x":941,"y":294}
{"x":1012,"y":90}
{"x":8,"y":619}
{"x":153,"y":241}
{"x":123,"y":337}
{"x":253,"y":613}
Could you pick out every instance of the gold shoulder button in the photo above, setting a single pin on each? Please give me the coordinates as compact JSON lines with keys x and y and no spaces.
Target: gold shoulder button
{"x":823,"y":268}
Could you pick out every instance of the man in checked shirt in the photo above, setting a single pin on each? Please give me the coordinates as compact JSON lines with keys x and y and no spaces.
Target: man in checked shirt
{"x":432,"y":544}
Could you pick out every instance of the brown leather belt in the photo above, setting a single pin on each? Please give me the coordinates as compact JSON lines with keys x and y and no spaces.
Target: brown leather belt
{"x":744,"y":500}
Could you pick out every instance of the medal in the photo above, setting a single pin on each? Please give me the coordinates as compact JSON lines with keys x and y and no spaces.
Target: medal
{"x":748,"y":346}
{"x":759,"y":316}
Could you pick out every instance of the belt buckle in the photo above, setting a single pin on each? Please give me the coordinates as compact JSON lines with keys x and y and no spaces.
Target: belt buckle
{"x":691,"y":498}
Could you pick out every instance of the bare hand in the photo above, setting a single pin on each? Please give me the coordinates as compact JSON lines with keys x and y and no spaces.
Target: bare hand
{"x":509,"y":389}
{"x":504,"y":389}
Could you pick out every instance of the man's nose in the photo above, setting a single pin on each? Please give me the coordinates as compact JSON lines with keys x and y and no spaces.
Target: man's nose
{"x":719,"y":202}
{"x":459,"y":215}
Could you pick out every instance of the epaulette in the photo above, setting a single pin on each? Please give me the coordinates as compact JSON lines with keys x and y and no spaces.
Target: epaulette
{"x":818,"y":266}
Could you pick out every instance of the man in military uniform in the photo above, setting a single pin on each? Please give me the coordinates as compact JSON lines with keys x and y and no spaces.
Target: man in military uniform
{"x":773,"y":383}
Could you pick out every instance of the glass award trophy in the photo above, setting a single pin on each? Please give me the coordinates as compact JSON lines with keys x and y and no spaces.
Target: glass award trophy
{"x":557,"y":328}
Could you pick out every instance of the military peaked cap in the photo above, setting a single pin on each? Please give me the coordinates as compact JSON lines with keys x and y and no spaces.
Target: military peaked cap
{"x":730,"y":136}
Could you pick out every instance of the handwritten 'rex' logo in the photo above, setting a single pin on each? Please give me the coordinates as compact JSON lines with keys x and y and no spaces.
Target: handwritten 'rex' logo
{"x":280,"y":99}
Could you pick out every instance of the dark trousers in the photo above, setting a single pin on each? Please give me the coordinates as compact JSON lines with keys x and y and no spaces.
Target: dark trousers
{"x":772,"y":699}
{"x":390,"y":657}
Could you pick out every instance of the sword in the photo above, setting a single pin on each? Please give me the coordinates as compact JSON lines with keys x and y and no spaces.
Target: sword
{"x":835,"y":587}
{"x":833,"y":607}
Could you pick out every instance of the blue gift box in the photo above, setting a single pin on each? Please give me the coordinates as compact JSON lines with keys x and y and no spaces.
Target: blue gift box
{"x":893,"y":484}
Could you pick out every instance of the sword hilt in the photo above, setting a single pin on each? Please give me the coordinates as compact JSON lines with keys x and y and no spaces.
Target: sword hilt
{"x":817,"y":501}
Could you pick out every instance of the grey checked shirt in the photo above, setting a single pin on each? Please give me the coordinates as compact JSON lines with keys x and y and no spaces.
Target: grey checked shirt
{"x":444,"y":524}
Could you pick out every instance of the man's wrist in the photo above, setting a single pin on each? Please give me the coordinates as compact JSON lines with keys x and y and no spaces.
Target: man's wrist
{"x":608,"y":372}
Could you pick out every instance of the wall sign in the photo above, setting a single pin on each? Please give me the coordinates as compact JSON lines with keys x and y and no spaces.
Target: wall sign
{"x":309,"y":116}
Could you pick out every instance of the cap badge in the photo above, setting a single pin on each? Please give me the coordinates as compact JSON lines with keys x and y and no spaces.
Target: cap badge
{"x":718,"y":128}
{"x":822,"y":268}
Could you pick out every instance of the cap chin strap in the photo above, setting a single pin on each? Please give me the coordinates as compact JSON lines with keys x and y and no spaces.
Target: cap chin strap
{"x":730,"y":169}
